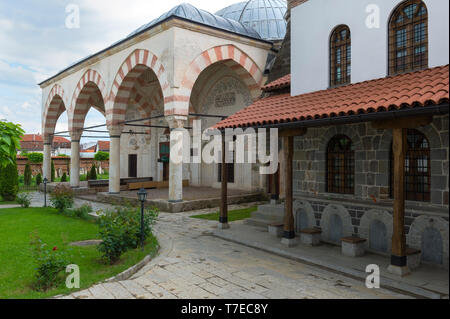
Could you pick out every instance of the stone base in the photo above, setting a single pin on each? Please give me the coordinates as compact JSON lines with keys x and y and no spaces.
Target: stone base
{"x":223,"y":226}
{"x":353,"y":250}
{"x":289,"y":242}
{"x":399,"y":271}
{"x":276,"y":230}
{"x":414,"y":258}
{"x":310,"y":237}
{"x":353,"y":247}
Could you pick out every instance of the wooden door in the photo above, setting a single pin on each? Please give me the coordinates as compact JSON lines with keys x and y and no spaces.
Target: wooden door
{"x":132,"y":165}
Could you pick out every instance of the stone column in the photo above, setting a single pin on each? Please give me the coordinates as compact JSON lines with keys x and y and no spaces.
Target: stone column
{"x":46,"y":170}
{"x":176,"y":169}
{"x":114,"y":160}
{"x":75,"y":160}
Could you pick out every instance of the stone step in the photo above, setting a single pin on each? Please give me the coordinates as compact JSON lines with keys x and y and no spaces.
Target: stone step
{"x":259,"y":222}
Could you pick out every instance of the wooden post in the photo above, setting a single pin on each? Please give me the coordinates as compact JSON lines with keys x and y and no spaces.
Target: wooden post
{"x":223,"y":219}
{"x":398,"y":258}
{"x":289,"y":229}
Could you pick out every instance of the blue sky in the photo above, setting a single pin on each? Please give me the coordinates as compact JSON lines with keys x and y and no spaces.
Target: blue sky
{"x":35,"y":44}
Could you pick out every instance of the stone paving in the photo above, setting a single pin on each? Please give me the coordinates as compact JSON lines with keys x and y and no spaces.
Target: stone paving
{"x":194,"y":264}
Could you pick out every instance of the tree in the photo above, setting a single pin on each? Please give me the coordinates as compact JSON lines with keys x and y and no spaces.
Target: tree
{"x":10,"y":137}
{"x":93,"y":173}
{"x":35,"y":158}
{"x":27,"y":175}
{"x":38,"y":179}
{"x":52,"y":168}
{"x":101,"y":156}
{"x":64,"y":178}
{"x":9,"y":181}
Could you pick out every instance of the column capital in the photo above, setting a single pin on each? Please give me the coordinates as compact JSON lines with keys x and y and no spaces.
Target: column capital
{"x":176,"y":121}
{"x":48,"y":139}
{"x":75,"y":135}
{"x":115,"y":131}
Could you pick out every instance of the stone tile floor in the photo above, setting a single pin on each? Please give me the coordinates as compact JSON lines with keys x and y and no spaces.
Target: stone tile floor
{"x":194,"y":264}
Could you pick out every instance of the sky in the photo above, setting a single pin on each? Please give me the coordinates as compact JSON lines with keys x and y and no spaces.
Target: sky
{"x":35,"y":44}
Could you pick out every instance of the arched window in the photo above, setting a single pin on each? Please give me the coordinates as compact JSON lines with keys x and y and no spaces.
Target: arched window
{"x":408,"y":38}
{"x":340,"y":56}
{"x":340,"y":165}
{"x":417,"y":168}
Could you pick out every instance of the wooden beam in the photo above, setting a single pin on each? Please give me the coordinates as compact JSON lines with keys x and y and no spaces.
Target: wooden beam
{"x":223,"y":219}
{"x":404,"y":122}
{"x":398,"y":237}
{"x":292,"y":132}
{"x":288,"y":148}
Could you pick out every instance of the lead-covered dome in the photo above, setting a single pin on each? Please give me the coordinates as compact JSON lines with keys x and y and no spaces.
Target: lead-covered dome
{"x":264,"y":16}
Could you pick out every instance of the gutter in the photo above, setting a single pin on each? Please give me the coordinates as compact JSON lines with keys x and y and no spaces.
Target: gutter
{"x":436,"y":110}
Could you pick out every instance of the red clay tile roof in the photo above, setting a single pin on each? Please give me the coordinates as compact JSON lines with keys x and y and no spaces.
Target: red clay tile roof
{"x":416,"y":89}
{"x":281,"y":83}
{"x":103,"y":146}
{"x":38,"y":138}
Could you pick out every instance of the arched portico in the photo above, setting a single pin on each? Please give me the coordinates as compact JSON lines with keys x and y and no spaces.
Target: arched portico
{"x":90,"y":92}
{"x":54,"y":108}
{"x":140,"y":81}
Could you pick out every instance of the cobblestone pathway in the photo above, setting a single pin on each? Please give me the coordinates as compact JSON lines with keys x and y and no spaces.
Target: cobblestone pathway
{"x":194,"y":264}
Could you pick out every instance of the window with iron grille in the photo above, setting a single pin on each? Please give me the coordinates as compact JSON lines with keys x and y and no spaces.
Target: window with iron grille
{"x":408,"y":38}
{"x":417,"y":168}
{"x":340,"y":165}
{"x":230,"y":170}
{"x":340,"y":56}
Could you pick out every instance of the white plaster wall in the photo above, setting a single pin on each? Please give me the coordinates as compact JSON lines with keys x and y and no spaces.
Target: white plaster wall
{"x":313,"y":22}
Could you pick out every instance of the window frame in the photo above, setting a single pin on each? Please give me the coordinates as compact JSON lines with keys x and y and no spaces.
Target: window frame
{"x":344,"y":46}
{"x":421,"y":192}
{"x":345,"y":156}
{"x":411,"y":45}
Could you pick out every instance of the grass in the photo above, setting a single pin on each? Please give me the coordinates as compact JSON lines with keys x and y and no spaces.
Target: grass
{"x":17,"y":266}
{"x":233,"y":215}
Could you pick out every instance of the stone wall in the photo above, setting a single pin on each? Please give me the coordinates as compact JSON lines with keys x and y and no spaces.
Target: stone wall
{"x":368,"y":213}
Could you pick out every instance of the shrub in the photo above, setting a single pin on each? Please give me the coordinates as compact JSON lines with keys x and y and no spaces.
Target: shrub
{"x":52,"y":168}
{"x":49,"y":264}
{"x":27,"y":175}
{"x":38,"y":179}
{"x":23,"y":200}
{"x":35,"y":158}
{"x":64,"y":178}
{"x":83,"y":178}
{"x":9,"y":182}
{"x":82,"y":212}
{"x":120,"y":231}
{"x":101,"y":156}
{"x":62,"y":198}
{"x":93,"y":173}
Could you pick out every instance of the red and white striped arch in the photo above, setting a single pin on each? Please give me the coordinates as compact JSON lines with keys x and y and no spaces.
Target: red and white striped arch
{"x":54,"y":107}
{"x":90,"y":84}
{"x":133,"y":67}
{"x":231,"y":56}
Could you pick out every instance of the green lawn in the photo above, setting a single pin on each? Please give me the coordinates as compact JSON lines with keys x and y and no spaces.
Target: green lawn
{"x":233,"y":215}
{"x":16,"y":263}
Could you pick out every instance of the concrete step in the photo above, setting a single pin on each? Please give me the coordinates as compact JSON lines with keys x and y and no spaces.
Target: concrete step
{"x":261,"y":222}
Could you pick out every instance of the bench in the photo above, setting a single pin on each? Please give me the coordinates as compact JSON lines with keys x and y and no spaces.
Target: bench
{"x":353,"y":246}
{"x":310,"y":236}
{"x":276,"y":229}
{"x":413,"y":257}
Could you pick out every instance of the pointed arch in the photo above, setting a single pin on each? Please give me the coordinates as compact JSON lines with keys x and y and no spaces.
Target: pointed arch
{"x":232,"y":57}
{"x":131,"y":69}
{"x":54,"y":107}
{"x":89,"y":87}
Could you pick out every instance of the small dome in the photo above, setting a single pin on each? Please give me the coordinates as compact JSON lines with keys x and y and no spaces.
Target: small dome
{"x":265,"y":16}
{"x":191,"y":13}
